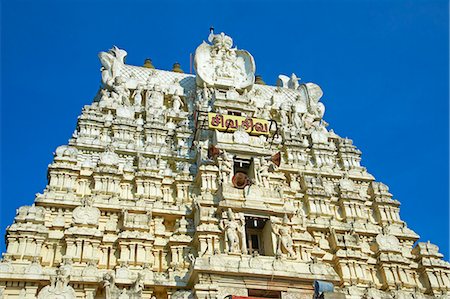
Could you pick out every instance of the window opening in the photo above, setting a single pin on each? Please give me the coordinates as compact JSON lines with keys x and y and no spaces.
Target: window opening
{"x":255,"y":235}
{"x":237,"y":113}
{"x":108,"y":258}
{"x":243,"y":172}
{"x":82,"y":249}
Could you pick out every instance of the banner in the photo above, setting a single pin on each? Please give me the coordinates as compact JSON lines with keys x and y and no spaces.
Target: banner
{"x":231,"y":123}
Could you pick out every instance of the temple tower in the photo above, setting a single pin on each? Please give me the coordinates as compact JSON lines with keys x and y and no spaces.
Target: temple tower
{"x":212,"y":185}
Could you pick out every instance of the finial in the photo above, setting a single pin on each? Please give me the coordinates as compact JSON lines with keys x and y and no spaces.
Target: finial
{"x":148,"y":63}
{"x":259,"y":80}
{"x":177,"y":68}
{"x":211,"y":34}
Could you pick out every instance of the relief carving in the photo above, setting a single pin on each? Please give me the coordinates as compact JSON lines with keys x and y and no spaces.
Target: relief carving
{"x":234,"y":232}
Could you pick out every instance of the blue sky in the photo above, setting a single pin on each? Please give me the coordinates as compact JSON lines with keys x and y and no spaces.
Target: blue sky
{"x":383,"y":67}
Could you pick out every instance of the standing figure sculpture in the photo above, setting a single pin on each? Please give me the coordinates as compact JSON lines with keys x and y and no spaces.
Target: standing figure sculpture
{"x":154,"y":98}
{"x":177,"y":103}
{"x":234,"y":233}
{"x":284,"y":118}
{"x":264,"y":112}
{"x":285,"y":245}
{"x":296,"y":119}
{"x":263,"y":173}
{"x":120,"y":92}
{"x":226,"y":167}
{"x":138,"y":95}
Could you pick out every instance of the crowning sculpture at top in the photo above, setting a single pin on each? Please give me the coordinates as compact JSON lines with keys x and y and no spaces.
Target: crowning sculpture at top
{"x":219,"y":65}
{"x":206,"y":186}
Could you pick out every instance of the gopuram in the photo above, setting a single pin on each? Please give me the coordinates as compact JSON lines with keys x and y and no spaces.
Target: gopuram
{"x":212,"y":185}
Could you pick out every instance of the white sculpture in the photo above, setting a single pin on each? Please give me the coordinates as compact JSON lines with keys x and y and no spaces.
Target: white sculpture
{"x":234,"y":233}
{"x":59,"y":287}
{"x":137,"y":287}
{"x":284,"y":238}
{"x":154,"y":98}
{"x":241,"y":136}
{"x":177,"y":103}
{"x":299,"y":105}
{"x":111,"y":290}
{"x":109,"y":157}
{"x":387,"y":242}
{"x":284,"y":120}
{"x":120,"y":92}
{"x":315,"y":93}
{"x":226,"y":167}
{"x":319,"y":135}
{"x":264,"y":112}
{"x":221,"y":65}
{"x":346,"y":184}
{"x":293,"y":82}
{"x":105,"y":98}
{"x":112,"y":61}
{"x":296,"y":119}
{"x":288,"y":82}
{"x":86,"y":214}
{"x":137,"y":95}
{"x":263,"y":173}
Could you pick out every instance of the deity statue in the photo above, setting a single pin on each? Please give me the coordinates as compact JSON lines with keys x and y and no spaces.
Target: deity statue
{"x":284,"y":118}
{"x":319,"y":134}
{"x":241,"y":135}
{"x":222,"y":65}
{"x":264,"y":112}
{"x":137,"y":287}
{"x":296,"y":119}
{"x":177,"y":103}
{"x":120,"y":92}
{"x":293,"y":82}
{"x":111,"y":290}
{"x":234,"y":230}
{"x":154,"y":98}
{"x":137,"y":94}
{"x":105,"y":98}
{"x":206,"y":92}
{"x":204,"y":95}
{"x":284,"y":238}
{"x":186,"y":168}
{"x":300,"y":214}
{"x":263,"y":173}
{"x":226,"y":167}
{"x":59,"y":287}
{"x":307,"y":120}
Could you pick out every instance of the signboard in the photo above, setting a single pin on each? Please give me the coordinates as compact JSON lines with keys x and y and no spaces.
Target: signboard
{"x":231,"y":123}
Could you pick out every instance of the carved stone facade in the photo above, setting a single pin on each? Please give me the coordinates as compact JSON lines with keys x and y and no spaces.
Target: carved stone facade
{"x":183,"y":186}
